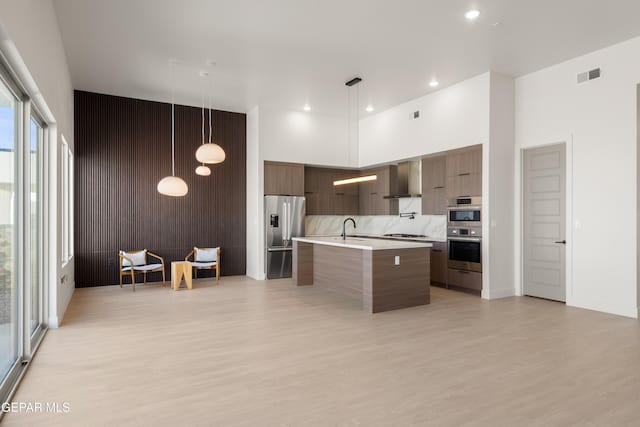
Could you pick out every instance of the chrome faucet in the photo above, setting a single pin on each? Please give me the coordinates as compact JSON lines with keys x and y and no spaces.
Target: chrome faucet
{"x":344,"y":226}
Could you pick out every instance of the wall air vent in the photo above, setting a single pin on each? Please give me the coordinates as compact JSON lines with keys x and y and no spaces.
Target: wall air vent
{"x":589,"y":75}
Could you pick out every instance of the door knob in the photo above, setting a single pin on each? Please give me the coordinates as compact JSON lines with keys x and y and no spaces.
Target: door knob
{"x":564,"y":242}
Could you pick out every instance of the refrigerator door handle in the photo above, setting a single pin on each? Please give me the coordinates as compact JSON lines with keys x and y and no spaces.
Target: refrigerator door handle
{"x":289,"y":221}
{"x":284,"y":221}
{"x":283,"y":249}
{"x":285,"y":225}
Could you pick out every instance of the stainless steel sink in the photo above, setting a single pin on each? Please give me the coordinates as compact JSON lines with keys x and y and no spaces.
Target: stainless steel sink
{"x":348,"y":239}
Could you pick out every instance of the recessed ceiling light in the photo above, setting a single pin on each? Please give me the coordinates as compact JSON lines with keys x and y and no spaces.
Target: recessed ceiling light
{"x":306,"y":107}
{"x":472,"y":14}
{"x":369,"y":108}
{"x":434,"y":83}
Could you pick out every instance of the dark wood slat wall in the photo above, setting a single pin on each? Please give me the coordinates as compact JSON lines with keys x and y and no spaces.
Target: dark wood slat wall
{"x":122,"y":150}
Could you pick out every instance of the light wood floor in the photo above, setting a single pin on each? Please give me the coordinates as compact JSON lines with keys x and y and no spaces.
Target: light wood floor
{"x":253,"y":353}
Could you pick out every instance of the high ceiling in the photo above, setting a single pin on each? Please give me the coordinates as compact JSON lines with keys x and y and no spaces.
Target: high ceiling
{"x":291,"y":52}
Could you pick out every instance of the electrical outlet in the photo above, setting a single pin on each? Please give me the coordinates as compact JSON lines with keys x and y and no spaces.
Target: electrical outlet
{"x":396,"y":260}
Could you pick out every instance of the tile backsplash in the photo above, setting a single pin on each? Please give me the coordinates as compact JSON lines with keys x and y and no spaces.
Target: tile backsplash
{"x":433,"y":226}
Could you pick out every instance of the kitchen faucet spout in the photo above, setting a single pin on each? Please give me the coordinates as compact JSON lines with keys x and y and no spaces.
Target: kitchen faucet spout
{"x":344,"y":226}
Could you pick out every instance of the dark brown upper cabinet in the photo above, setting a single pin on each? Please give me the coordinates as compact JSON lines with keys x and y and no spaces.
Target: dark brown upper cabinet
{"x":286,"y":179}
{"x":372,"y":193}
{"x":434,"y":180}
{"x":464,"y":172}
{"x":323,"y":198}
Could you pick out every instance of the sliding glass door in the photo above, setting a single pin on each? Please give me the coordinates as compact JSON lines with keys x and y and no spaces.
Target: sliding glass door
{"x":36,"y":136}
{"x":9,"y":218}
{"x":22,"y":230}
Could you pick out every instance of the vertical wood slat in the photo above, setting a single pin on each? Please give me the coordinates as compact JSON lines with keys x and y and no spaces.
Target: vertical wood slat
{"x":122,"y":150}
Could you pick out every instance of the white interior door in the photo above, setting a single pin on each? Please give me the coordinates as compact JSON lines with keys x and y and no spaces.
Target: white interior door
{"x":544,"y":207}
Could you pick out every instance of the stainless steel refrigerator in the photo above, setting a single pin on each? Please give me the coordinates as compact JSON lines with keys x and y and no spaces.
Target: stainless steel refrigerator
{"x":284,"y":219}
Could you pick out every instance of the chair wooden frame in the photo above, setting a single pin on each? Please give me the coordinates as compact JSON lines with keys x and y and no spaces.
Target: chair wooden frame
{"x":133,"y":270}
{"x":215,"y":267}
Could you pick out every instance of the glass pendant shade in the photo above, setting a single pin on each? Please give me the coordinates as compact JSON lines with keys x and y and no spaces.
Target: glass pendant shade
{"x":203,"y":170}
{"x":173,"y":186}
{"x":210,"y":153}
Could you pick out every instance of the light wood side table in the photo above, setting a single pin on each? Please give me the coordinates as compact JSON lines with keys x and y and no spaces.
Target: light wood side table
{"x":179,"y":270}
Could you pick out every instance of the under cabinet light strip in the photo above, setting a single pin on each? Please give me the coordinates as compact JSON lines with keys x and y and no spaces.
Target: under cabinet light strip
{"x":355,"y":180}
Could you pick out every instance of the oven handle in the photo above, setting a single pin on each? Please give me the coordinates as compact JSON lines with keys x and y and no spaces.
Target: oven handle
{"x":464,"y":208}
{"x":465,"y":239}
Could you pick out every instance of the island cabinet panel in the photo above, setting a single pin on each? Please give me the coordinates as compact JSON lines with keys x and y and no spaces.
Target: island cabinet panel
{"x":302,"y":268}
{"x":379,"y":279}
{"x":434,"y":179}
{"x":391,"y":286}
{"x":285,"y":179}
{"x":464,"y":172}
{"x":338,"y":269}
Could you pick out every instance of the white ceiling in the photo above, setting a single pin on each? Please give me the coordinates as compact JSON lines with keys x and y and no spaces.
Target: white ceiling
{"x":289,"y":52}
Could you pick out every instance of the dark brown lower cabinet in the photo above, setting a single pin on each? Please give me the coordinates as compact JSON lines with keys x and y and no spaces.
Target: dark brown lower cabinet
{"x":439,"y":255}
{"x":468,"y":281}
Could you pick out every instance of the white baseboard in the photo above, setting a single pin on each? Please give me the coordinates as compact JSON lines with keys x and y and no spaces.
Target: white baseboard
{"x":498,"y":293}
{"x":53,"y":322}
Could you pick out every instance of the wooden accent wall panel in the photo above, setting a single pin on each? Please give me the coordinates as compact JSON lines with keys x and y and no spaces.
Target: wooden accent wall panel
{"x":122,"y":150}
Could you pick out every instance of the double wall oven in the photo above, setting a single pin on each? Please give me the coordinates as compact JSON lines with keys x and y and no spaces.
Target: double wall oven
{"x":464,"y":234}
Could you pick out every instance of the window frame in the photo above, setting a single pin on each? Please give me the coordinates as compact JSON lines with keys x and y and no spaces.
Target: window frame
{"x":36,"y":335}
{"x":28,"y":342}
{"x":66,"y":179}
{"x":8,"y":383}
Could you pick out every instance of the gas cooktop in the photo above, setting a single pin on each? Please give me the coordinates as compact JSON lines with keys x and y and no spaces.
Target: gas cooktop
{"x":404,"y":235}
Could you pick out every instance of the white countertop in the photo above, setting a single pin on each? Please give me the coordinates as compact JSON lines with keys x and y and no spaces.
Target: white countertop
{"x":362,"y":243}
{"x":426,"y":239}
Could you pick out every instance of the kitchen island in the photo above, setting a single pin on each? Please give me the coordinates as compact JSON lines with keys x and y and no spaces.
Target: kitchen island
{"x":383,"y":274}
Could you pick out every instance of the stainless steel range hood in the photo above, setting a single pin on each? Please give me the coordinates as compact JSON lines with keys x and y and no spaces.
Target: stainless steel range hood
{"x":409,"y":181}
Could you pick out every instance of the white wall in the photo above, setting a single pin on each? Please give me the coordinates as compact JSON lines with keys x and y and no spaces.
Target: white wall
{"x":453,"y":117}
{"x":475,"y":111}
{"x":287,"y":136}
{"x":498,"y":268}
{"x":30,"y":40}
{"x":598,"y":121}
{"x":304,"y":137}
{"x":254,"y":185}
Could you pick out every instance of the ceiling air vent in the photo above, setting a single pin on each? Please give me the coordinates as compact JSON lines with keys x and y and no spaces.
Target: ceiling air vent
{"x":589,"y":75}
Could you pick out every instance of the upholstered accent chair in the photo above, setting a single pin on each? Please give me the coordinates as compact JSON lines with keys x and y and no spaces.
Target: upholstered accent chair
{"x":205,"y":259}
{"x":135,"y":262}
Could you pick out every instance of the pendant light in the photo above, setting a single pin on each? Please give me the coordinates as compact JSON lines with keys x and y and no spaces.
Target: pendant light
{"x":210,"y":153}
{"x":203,"y":170}
{"x":173,"y":185}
